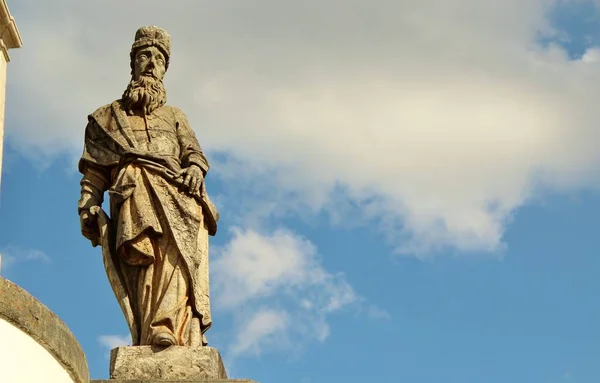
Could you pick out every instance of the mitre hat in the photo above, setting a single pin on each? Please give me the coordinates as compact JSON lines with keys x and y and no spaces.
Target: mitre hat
{"x":152,"y":36}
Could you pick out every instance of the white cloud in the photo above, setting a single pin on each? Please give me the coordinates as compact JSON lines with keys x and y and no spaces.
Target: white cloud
{"x":263,"y":329}
{"x":12,"y":254}
{"x":591,"y":56}
{"x":376,"y":312}
{"x":438,"y":119}
{"x":253,"y":265}
{"x":277,"y":290}
{"x":113,"y":341}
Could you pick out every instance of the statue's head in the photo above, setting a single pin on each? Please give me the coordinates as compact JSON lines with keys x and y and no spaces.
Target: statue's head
{"x":149,"y":57}
{"x":150,"y":51}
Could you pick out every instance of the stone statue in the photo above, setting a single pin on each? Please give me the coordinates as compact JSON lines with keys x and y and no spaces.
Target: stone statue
{"x":155,"y":243}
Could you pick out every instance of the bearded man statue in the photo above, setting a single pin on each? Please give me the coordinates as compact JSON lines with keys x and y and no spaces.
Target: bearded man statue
{"x":155,"y":243}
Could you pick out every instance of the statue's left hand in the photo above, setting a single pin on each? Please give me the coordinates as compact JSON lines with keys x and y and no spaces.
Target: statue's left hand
{"x":192,"y":179}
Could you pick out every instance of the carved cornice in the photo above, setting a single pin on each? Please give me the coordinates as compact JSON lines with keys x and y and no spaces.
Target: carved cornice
{"x":8,"y":31}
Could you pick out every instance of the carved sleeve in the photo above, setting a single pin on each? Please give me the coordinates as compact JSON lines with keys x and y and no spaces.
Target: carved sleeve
{"x":191,"y":153}
{"x":96,"y":178}
{"x":93,"y":185}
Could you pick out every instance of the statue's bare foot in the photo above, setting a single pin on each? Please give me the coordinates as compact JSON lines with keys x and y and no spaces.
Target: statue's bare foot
{"x":163,"y":340}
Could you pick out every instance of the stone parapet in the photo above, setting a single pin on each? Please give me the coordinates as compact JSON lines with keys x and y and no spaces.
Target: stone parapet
{"x":29,"y":315}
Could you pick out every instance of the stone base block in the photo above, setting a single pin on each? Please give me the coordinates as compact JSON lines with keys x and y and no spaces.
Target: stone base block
{"x":142,"y":364}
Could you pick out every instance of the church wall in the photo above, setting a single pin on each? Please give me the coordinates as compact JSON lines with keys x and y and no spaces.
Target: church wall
{"x":3,"y":65}
{"x":35,"y":342}
{"x":25,"y":360}
{"x":9,"y":39}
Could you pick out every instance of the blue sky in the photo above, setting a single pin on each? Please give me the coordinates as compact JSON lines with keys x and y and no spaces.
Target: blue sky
{"x":408,"y":190}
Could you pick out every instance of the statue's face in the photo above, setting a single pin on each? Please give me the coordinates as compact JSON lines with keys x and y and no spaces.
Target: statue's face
{"x":149,"y":61}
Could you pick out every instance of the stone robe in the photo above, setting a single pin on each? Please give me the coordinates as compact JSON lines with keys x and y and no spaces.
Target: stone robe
{"x":156,"y":242}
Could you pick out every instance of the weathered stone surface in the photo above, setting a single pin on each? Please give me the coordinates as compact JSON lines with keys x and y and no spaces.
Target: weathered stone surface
{"x":172,"y":363}
{"x":21,"y":309}
{"x":155,"y":242}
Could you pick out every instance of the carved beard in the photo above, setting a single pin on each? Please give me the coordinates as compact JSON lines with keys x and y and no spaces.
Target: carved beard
{"x":145,"y":93}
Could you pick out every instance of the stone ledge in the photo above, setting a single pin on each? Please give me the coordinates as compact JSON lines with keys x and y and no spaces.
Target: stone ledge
{"x":13,"y":39}
{"x":21,"y":309}
{"x":10,"y":37}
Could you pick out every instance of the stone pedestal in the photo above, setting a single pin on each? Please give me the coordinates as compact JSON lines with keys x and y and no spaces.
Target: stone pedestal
{"x":175,"y":363}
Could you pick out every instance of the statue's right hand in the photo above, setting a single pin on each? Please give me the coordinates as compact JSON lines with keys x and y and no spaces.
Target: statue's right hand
{"x":89,"y":226}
